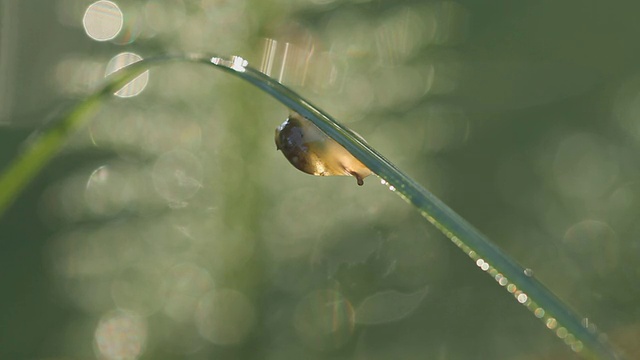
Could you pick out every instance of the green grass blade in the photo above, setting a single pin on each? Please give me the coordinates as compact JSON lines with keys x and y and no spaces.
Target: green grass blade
{"x":517,"y":280}
{"x":507,"y":272}
{"x":45,"y":143}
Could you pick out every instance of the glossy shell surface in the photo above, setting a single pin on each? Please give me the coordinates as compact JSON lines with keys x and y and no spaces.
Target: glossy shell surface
{"x":312,"y":151}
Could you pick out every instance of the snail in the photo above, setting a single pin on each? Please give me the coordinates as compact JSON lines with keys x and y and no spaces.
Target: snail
{"x":312,"y":151}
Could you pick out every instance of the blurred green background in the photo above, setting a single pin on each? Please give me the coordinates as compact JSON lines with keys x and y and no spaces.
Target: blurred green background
{"x":170,"y":227}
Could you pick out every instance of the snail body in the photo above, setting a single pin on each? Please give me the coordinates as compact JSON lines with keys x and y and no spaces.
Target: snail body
{"x":312,"y":151}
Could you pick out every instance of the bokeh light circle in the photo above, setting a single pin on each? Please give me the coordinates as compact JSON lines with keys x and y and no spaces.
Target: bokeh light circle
{"x":102,"y":21}
{"x":584,"y":166}
{"x":187,"y":283}
{"x":135,"y":86}
{"x":121,"y":335}
{"x":106,"y":191}
{"x":594,"y":245}
{"x":177,"y":175}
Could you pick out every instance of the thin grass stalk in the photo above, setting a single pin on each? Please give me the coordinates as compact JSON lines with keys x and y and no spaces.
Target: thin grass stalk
{"x":570,"y":328}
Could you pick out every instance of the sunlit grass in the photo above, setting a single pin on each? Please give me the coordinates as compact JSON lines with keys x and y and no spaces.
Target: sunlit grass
{"x":518,"y":281}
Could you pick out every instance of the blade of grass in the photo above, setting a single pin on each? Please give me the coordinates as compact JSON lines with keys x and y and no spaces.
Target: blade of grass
{"x":576,"y":332}
{"x":581,"y":336}
{"x":45,"y":143}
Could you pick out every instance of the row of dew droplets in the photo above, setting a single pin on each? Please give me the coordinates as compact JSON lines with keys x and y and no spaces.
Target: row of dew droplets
{"x":239,"y":65}
{"x":550,"y":322}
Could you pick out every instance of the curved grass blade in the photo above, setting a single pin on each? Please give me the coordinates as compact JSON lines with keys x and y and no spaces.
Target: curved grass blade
{"x":581,"y":336}
{"x":45,"y":143}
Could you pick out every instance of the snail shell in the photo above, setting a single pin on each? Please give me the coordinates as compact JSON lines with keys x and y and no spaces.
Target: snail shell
{"x":312,"y":151}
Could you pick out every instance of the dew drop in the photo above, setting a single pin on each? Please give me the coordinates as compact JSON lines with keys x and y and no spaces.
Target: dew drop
{"x":528,"y":272}
{"x":561,"y":332}
{"x":577,"y":346}
{"x":539,"y":313}
{"x":522,"y":298}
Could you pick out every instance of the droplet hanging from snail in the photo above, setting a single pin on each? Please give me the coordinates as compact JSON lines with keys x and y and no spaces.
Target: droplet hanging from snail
{"x":312,"y":151}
